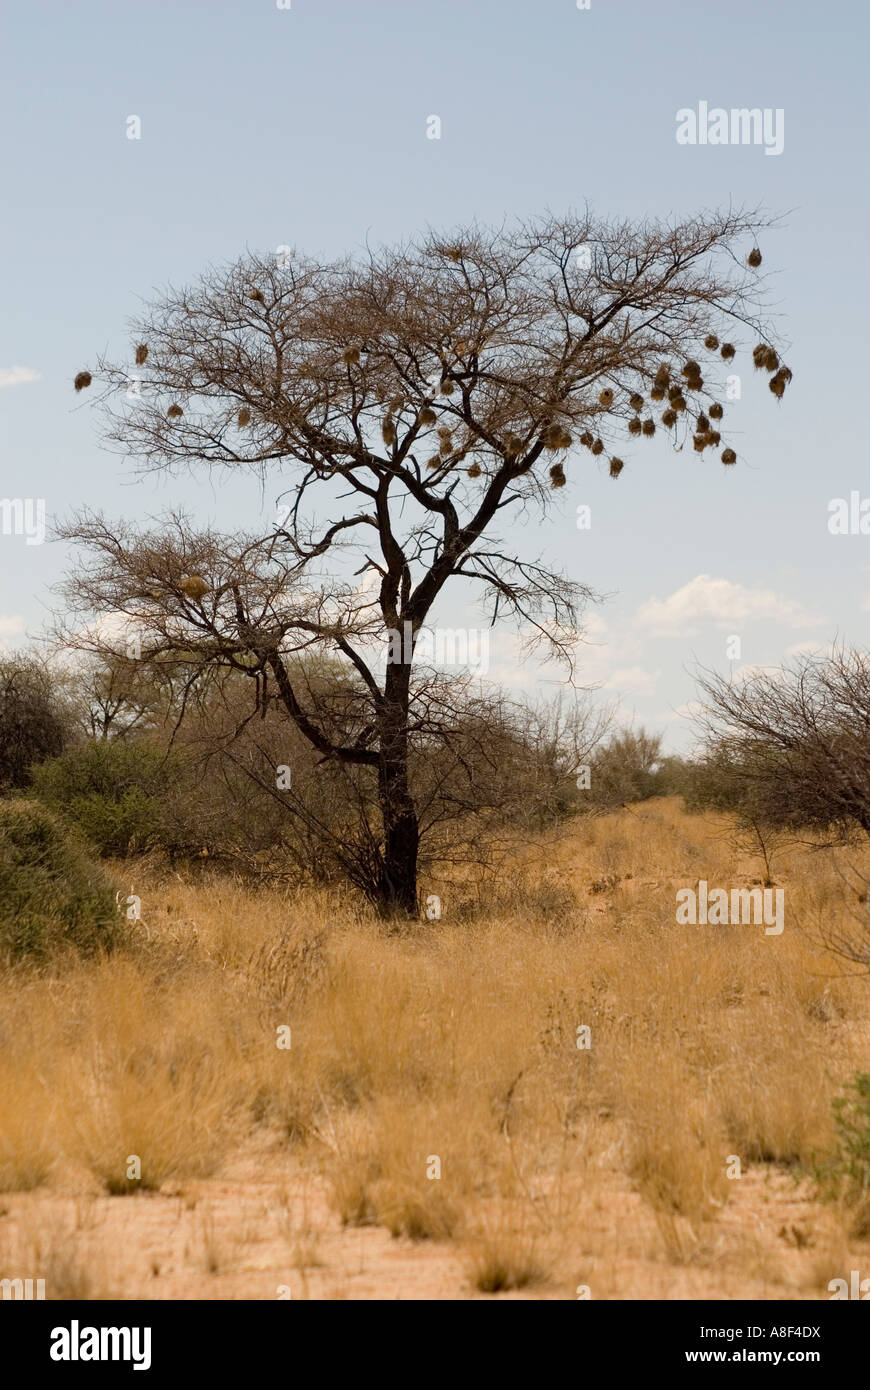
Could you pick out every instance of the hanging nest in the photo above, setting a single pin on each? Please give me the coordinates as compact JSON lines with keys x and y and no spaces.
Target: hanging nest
{"x":714,"y":437}
{"x":657,"y":393}
{"x":350,"y":356}
{"x":754,"y":258}
{"x":695,"y":383}
{"x":244,"y":417}
{"x":82,"y":380}
{"x":729,"y":456}
{"x":759,"y":356}
{"x":699,"y":442}
{"x":194,"y":586}
{"x":447,"y":387}
{"x":141,"y":354}
{"x":678,"y":403}
{"x":557,"y":475}
{"x":662,"y":376}
{"x":616,"y":467}
{"x":716,"y":411}
{"x":597,"y":447}
{"x":691,"y":368}
{"x":669,"y":417}
{"x":586,"y":439}
{"x":175,"y":412}
{"x":771,"y":361}
{"x":454,"y":253}
{"x":674,"y":391}
{"x":555,"y":437}
{"x":434,"y":462}
{"x":254,"y":293}
{"x":634,"y":426}
{"x":636,"y":402}
{"x":388,"y":430}
{"x":605,"y":397}
{"x":649,"y":427}
{"x":779,"y":381}
{"x":711,"y":342}
{"x":728,"y":350}
{"x":427,"y":416}
{"x":513,"y":446}
{"x":703,"y":423}
{"x":474,"y":470}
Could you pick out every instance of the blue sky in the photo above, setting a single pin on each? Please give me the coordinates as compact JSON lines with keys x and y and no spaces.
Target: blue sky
{"x":263,"y":127}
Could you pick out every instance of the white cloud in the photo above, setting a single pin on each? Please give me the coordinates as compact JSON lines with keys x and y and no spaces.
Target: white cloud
{"x":705,"y":600}
{"x":18,"y":376}
{"x":9,"y":627}
{"x":635,"y":680}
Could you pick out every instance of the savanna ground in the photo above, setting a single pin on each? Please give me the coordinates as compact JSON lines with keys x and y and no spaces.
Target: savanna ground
{"x":269,"y":1171}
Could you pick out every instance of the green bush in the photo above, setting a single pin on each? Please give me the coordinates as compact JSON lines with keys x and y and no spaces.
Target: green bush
{"x":117,"y":794}
{"x":51,"y":895}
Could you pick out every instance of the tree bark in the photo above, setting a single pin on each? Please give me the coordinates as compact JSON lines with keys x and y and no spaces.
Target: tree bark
{"x":397,"y":882}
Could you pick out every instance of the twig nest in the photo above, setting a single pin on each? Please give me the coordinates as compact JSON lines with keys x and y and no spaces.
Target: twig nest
{"x":586,"y":439}
{"x":513,"y":446}
{"x":700,"y":442}
{"x":473,"y":471}
{"x":616,"y":467}
{"x":695,"y":383}
{"x":82,"y":380}
{"x":649,"y":427}
{"x":556,"y":437}
{"x":714,"y":437}
{"x":605,"y":397}
{"x":729,"y":456}
{"x":388,"y":430}
{"x":779,"y":381}
{"x":598,"y":447}
{"x":703,"y":423}
{"x":754,"y":258}
{"x":759,"y":356}
{"x":657,"y":393}
{"x":678,"y":403}
{"x":175,"y":412}
{"x":669,"y":416}
{"x":434,"y":462}
{"x":427,"y":416}
{"x":771,"y":361}
{"x":691,"y":368}
{"x":636,"y":402}
{"x":711,"y":342}
{"x":716,"y":411}
{"x":662,"y":376}
{"x":728,"y":350}
{"x":243,"y":417}
{"x":461,"y":347}
{"x":557,"y":475}
{"x":254,"y":293}
{"x":446,"y":387}
{"x":634,"y":426}
{"x":350,"y":356}
{"x":454,"y":253}
{"x":194,"y":586}
{"x":141,"y":354}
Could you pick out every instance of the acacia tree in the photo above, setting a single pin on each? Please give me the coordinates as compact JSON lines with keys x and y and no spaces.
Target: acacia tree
{"x":422,"y":396}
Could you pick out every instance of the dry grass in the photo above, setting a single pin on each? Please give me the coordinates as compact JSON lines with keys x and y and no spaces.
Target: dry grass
{"x":457,"y":1042}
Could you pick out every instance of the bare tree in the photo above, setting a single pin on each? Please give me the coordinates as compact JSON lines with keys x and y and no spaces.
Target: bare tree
{"x":795,"y":741}
{"x":423,"y":395}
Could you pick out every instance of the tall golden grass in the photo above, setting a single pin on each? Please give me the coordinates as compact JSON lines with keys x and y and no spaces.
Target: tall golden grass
{"x":434,"y":1078}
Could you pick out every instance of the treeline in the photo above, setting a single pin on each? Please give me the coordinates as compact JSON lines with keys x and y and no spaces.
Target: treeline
{"x":141,"y":759}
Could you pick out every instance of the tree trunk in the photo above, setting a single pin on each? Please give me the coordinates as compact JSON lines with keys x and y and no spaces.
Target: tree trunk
{"x":397,"y":883}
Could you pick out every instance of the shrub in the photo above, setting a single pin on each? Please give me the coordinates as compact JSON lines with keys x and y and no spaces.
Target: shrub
{"x":117,"y":794}
{"x":847,"y":1172}
{"x":33,"y":721}
{"x":50,"y":893}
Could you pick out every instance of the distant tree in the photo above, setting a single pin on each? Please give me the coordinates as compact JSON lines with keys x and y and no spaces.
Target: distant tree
{"x":625,"y":769}
{"x":35,"y":721}
{"x":422,"y":395}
